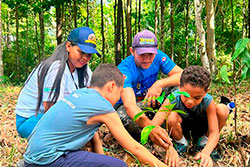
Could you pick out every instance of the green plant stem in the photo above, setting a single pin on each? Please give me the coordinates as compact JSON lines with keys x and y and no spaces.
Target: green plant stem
{"x":235,"y":113}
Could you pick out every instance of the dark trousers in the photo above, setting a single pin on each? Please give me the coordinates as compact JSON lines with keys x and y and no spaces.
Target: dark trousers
{"x":83,"y":159}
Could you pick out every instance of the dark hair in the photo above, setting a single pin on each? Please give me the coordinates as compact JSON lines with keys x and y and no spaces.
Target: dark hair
{"x":60,"y":54}
{"x":196,"y":76}
{"x":105,"y":73}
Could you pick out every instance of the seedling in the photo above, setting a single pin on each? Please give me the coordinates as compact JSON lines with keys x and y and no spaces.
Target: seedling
{"x":241,"y":71}
{"x":169,"y":108}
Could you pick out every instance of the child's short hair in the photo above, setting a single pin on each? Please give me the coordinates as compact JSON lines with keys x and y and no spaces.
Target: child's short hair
{"x":196,"y":76}
{"x":105,"y":73}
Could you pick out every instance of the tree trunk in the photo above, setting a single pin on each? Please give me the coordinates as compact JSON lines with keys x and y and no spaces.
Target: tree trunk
{"x":103,"y":37}
{"x":244,"y":31}
{"x":201,"y":33}
{"x":123,"y":36}
{"x":17,"y":43}
{"x":135,"y":30}
{"x":195,"y":46}
{"x":172,"y":30}
{"x":248,"y":18}
{"x":211,"y":52}
{"x":139,"y":17}
{"x":75,"y":13}
{"x":118,"y":38}
{"x":37,"y":41}
{"x":41,"y":20}
{"x":27,"y":46}
{"x":87,"y":20}
{"x":233,"y":40}
{"x":162,"y":25}
{"x":1,"y":49}
{"x":186,"y":33}
{"x":115,"y":29}
{"x":156,"y":16}
{"x":8,"y":32}
{"x":128,"y":26}
{"x":58,"y":24}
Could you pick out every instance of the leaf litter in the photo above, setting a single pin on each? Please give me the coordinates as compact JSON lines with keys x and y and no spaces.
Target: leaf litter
{"x":12,"y":146}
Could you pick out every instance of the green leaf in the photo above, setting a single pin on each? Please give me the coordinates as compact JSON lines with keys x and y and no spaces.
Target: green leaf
{"x":138,"y":115}
{"x":184,"y":93}
{"x":246,"y":58}
{"x":245,"y":74}
{"x":160,"y":99}
{"x":148,"y":108}
{"x":145,"y":133}
{"x":171,"y":97}
{"x":223,"y":72}
{"x":240,"y":47}
{"x":179,"y":111}
{"x":170,"y":106}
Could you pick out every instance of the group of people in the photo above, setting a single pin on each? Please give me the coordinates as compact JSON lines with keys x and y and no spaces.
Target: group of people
{"x":62,"y":104}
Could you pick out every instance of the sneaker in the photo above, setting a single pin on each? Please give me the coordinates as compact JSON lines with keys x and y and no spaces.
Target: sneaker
{"x":230,"y":105}
{"x":214,"y":155}
{"x":224,"y":100}
{"x":180,"y":148}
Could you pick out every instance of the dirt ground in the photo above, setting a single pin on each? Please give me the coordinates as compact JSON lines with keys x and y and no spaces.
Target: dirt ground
{"x":230,"y":149}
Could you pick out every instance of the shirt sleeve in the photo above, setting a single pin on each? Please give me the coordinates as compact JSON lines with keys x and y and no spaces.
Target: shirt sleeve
{"x":125,"y":69}
{"x":166,"y":64}
{"x":207,"y":100}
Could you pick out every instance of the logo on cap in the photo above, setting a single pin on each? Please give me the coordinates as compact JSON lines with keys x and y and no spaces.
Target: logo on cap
{"x":145,"y":41}
{"x":91,"y":39}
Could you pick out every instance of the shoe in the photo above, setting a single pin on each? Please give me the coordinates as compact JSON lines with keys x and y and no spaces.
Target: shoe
{"x":230,"y":105}
{"x":180,"y":148}
{"x":224,"y":100}
{"x":214,"y":155}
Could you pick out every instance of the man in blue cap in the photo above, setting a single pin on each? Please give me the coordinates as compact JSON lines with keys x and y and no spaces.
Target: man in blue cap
{"x":140,"y":71}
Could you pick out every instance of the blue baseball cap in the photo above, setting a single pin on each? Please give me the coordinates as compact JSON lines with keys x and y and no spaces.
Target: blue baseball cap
{"x":85,"y":38}
{"x":145,"y":42}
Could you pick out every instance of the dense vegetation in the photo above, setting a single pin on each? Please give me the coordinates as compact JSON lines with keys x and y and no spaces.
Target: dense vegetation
{"x":32,"y":29}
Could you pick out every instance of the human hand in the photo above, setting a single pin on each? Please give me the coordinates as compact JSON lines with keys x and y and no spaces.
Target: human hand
{"x":205,"y":159}
{"x":172,"y":158}
{"x":160,"y":137}
{"x":153,"y":93}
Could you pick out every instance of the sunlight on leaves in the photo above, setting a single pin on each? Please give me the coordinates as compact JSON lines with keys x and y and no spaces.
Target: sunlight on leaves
{"x":240,"y":47}
{"x":160,"y":99}
{"x":145,"y":133}
{"x":179,"y":111}
{"x":171,"y":97}
{"x":184,"y":93}
{"x":138,"y":115}
{"x":170,"y":107}
{"x":223,"y":72}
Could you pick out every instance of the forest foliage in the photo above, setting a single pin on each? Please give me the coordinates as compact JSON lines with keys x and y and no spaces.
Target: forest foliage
{"x":32,"y":29}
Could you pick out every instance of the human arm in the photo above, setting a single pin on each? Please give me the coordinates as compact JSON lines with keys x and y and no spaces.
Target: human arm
{"x":213,"y":137}
{"x":172,"y":158}
{"x":96,"y":144}
{"x":47,"y":105}
{"x":125,"y":140}
{"x":158,"y":134}
{"x":155,"y":90}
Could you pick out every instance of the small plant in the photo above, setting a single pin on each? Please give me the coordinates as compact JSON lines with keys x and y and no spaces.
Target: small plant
{"x":6,"y":79}
{"x":241,"y":71}
{"x":169,"y":108}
